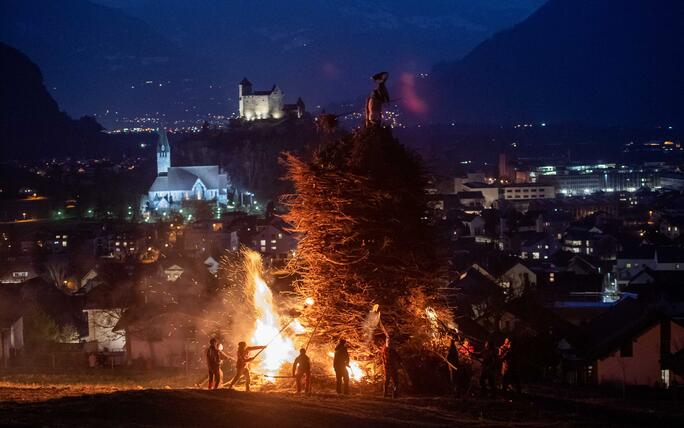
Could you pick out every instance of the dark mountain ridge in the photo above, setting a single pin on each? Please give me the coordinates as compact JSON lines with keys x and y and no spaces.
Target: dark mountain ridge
{"x":604,"y":62}
{"x":31,"y":124}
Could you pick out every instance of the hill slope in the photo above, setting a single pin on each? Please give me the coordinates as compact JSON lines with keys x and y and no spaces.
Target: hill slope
{"x":31,"y":124}
{"x":607,"y":62}
{"x":91,"y":54}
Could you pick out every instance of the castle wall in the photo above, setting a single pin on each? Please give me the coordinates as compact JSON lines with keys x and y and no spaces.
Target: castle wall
{"x":276,"y":105}
{"x":256,"y":107}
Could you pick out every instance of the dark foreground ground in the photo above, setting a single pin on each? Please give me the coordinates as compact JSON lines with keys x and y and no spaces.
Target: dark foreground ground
{"x":72,"y":406}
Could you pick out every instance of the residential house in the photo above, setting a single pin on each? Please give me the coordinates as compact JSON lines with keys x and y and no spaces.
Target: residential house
{"x":671,"y":226}
{"x":18,"y":270}
{"x":635,"y":348}
{"x":11,"y":327}
{"x":471,"y":200}
{"x":489,"y":192}
{"x":274,"y":242}
{"x":516,"y":279}
{"x":474,"y":223}
{"x":103,"y":308}
{"x":632,"y":261}
{"x":535,"y":245}
{"x":590,"y":241}
{"x":202,"y":240}
{"x":474,"y":293}
{"x":163,"y":336}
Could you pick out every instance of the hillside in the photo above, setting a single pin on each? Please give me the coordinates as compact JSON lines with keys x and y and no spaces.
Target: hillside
{"x":90,"y":54}
{"x":106,"y":405}
{"x":608,"y":62}
{"x":31,"y":124}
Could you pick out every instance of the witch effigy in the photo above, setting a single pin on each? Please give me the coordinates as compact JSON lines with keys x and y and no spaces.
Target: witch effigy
{"x":376,"y":99}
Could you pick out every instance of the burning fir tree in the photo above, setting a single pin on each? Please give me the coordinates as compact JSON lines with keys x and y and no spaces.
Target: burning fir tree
{"x":366,"y":255}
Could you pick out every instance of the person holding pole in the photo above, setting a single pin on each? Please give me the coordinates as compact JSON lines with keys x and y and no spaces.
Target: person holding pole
{"x":391,"y":361}
{"x":453,"y":362}
{"x":341,"y":364}
{"x":215,"y":357}
{"x":301,"y":370}
{"x":243,"y":359}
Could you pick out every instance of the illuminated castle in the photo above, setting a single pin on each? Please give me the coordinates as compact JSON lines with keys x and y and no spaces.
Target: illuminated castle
{"x":265,"y":104}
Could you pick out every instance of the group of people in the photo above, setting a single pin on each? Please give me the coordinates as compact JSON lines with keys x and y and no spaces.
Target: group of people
{"x":301,"y":367}
{"x":497,"y":364}
{"x":215,"y":357}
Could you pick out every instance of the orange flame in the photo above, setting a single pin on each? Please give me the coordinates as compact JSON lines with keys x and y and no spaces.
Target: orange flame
{"x":268,"y":324}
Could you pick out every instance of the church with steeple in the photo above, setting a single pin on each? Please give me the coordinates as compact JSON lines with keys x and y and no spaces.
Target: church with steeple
{"x":174,"y":184}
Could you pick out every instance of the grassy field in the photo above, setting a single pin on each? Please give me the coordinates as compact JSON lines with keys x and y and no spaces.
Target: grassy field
{"x":106,"y":398}
{"x":120,"y":378}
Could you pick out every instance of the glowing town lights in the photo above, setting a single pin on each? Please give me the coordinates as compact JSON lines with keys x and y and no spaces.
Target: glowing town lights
{"x":309,"y":301}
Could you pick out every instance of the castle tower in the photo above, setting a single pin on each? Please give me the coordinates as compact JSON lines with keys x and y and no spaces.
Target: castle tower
{"x":301,"y":108}
{"x":275,"y":103}
{"x":163,"y":153}
{"x":244,"y":88}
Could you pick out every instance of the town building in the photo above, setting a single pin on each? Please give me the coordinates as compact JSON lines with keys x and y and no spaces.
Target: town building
{"x":274,"y":242}
{"x":672,"y":180}
{"x":11,"y":334}
{"x":489,"y":192}
{"x":633,"y":261}
{"x":528,"y":191}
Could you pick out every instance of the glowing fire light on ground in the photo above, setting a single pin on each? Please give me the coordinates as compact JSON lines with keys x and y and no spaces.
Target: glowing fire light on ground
{"x":356,"y":373}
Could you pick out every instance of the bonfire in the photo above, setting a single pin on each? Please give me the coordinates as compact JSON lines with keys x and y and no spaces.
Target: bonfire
{"x":281,"y":331}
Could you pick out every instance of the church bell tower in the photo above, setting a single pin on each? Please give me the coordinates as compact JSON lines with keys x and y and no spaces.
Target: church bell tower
{"x":163,"y":153}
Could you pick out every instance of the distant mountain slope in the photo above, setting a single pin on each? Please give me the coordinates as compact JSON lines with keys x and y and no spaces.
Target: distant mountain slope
{"x":99,"y":58}
{"x":605,"y":62}
{"x":31,"y":124}
{"x":90,"y":54}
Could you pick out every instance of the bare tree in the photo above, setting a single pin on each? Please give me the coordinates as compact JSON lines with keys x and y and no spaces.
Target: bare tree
{"x":56,"y":272}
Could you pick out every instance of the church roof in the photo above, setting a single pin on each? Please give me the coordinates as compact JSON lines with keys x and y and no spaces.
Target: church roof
{"x":184,"y":177}
{"x":244,"y":81}
{"x":161,"y":183}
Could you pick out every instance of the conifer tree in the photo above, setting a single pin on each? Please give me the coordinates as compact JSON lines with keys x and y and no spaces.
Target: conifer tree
{"x":359,"y":207}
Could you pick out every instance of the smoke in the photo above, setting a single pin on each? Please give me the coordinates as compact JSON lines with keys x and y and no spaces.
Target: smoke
{"x":370,"y":324}
{"x":409,"y":95}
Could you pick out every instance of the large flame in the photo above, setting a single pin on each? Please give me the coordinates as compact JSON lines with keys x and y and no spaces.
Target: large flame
{"x":272,"y":330}
{"x":268,"y":324}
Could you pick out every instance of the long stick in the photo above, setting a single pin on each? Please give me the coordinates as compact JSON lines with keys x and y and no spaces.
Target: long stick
{"x":274,"y":338}
{"x":306,"y":348}
{"x":445,"y":360}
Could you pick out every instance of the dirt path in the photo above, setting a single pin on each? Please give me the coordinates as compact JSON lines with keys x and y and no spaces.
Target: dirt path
{"x":150,"y":408}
